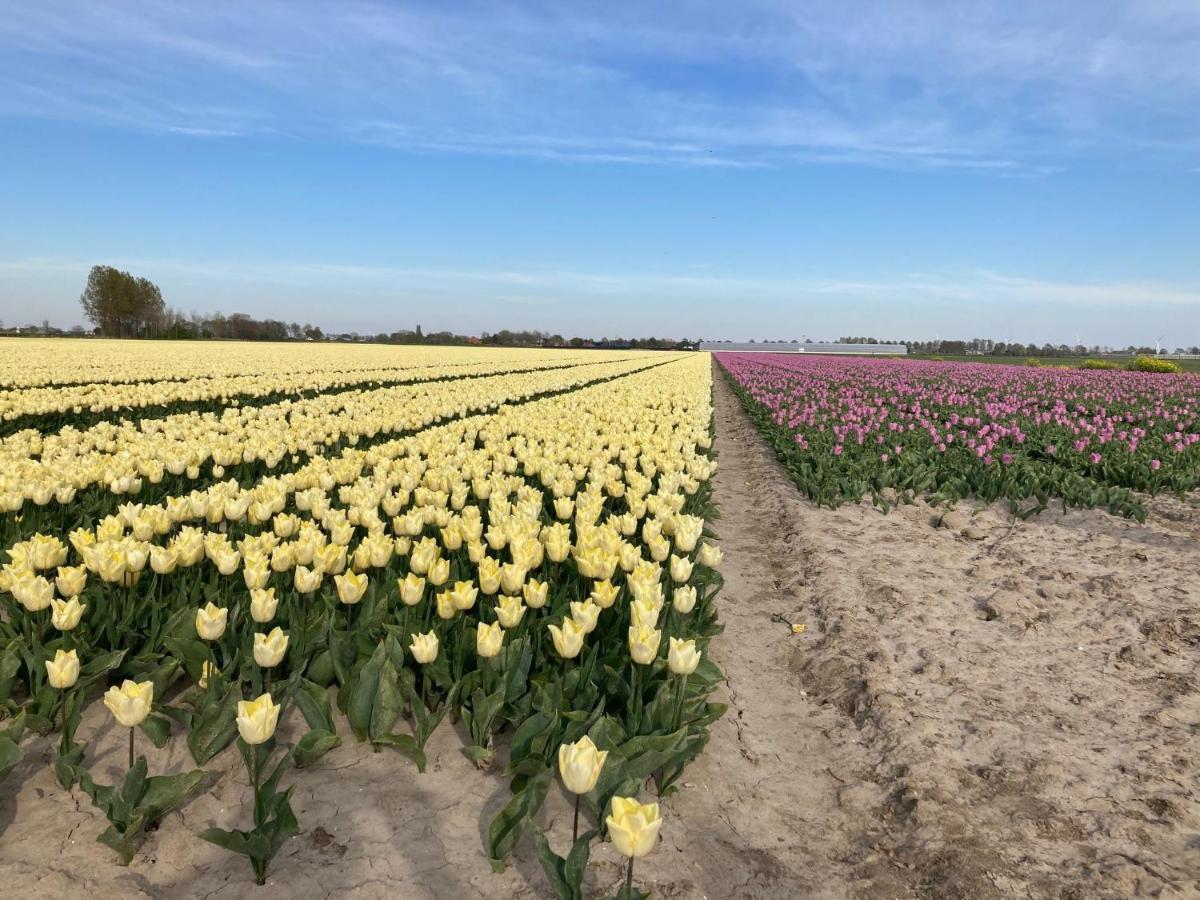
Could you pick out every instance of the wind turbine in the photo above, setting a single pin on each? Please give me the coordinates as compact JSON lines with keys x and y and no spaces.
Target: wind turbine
{"x":1158,"y":345}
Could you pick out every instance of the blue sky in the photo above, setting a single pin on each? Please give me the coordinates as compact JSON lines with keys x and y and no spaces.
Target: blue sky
{"x":754,"y":169}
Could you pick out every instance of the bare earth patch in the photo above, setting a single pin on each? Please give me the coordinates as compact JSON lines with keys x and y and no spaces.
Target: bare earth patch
{"x":977,"y":708}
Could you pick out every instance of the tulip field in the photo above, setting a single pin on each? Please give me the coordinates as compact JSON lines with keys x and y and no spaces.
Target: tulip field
{"x":847,"y":428}
{"x":382,"y":541}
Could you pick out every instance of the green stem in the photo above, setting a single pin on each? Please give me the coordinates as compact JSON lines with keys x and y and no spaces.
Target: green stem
{"x":131,"y":731}
{"x":629,"y":880}
{"x":575,"y":826}
{"x":683,"y":680}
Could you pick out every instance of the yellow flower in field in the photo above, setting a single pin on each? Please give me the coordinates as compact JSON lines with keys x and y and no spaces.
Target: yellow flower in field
{"x":269,"y":649}
{"x":446,"y":609}
{"x":509,"y":610}
{"x":71,"y":580}
{"x":110,"y":563}
{"x":564,"y":507}
{"x":683,"y":657}
{"x":684,"y":599}
{"x":63,"y":671}
{"x":579,"y":764}
{"x":34,"y":593}
{"x":643,"y":643}
{"x":645,"y":612}
{"x":163,"y":560}
{"x":66,"y":613}
{"x":439,"y":572}
{"x":412,"y":589}
{"x":488,"y":640}
{"x":423,"y":555}
{"x":263,"y":604}
{"x":604,"y":593}
{"x":568,"y":639}
{"x":681,"y":569}
{"x":709,"y":555}
{"x":463,"y":595}
{"x":512,"y":577}
{"x":535,"y":593}
{"x":489,"y":575}
{"x":660,"y":548}
{"x":211,"y":621}
{"x":257,"y":719}
{"x":307,"y":580}
{"x":351,"y":587}
{"x":629,"y":556}
{"x":256,"y":574}
{"x":585,"y":615}
{"x":130,"y":703}
{"x":633,"y":826}
{"x":557,"y":539}
{"x":226,"y":560}
{"x":424,"y":647}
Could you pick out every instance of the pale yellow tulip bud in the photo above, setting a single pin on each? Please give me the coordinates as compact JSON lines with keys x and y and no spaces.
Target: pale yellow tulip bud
{"x":269,"y":649}
{"x":130,"y":703}
{"x":536,"y":593}
{"x":643,"y":643}
{"x":63,"y":670}
{"x":307,"y":580}
{"x":568,"y":639}
{"x":684,"y":599}
{"x":350,"y":587}
{"x":681,"y":569}
{"x":604,"y":593}
{"x":256,"y":719}
{"x":463,"y":595}
{"x":66,"y":614}
{"x":211,"y":621}
{"x":633,"y":826}
{"x":446,"y":609}
{"x":263,"y":604}
{"x":424,"y":647}
{"x":585,"y":615}
{"x":509,"y":610}
{"x":412,"y":589}
{"x":439,"y":572}
{"x":579,"y":764}
{"x":709,"y":555}
{"x":71,"y":580}
{"x":683,"y":657}
{"x":488,"y":639}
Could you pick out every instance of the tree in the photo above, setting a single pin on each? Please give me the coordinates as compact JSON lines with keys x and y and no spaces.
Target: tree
{"x":120,"y":304}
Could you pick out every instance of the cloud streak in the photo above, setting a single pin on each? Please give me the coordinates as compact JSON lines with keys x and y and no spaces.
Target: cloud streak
{"x":979,"y":86}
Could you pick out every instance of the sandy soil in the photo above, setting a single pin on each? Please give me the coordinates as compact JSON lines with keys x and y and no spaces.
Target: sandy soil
{"x":978,"y":708}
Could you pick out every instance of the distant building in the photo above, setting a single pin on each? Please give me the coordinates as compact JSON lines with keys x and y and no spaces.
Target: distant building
{"x":814,"y":347}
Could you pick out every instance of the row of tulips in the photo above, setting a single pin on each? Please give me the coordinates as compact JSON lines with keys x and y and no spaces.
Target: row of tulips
{"x":849,"y":427}
{"x":541,"y":573}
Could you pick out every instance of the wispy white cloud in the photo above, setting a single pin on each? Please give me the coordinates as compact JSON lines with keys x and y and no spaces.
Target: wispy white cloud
{"x":977,"y":85}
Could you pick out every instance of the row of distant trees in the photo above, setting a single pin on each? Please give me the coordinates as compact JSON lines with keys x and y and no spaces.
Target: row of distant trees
{"x":121,"y":305}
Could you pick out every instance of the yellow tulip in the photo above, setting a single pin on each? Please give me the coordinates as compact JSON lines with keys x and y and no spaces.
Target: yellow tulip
{"x":211,"y":621}
{"x":585,"y":615}
{"x":709,"y":555}
{"x":633,"y":826}
{"x":579,"y":764}
{"x":269,"y":649}
{"x":71,"y":580}
{"x":63,"y":670}
{"x":257,"y":719}
{"x":424,"y":647}
{"x":206,"y":671}
{"x":66,"y":613}
{"x":536,"y":593}
{"x":263,"y":604}
{"x":604,"y":593}
{"x":509,"y":610}
{"x":130,"y":703}
{"x":307,"y":580}
{"x":412,"y":589}
{"x":34,"y":593}
{"x":684,"y":599}
{"x":643,"y":643}
{"x":488,"y":639}
{"x":568,"y":639}
{"x":439,"y":572}
{"x":163,"y":560}
{"x":463,"y":595}
{"x":489,"y":575}
{"x":350,"y":587}
{"x":683,"y":657}
{"x":512,"y":577}
{"x":446,"y":609}
{"x":681,"y":569}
